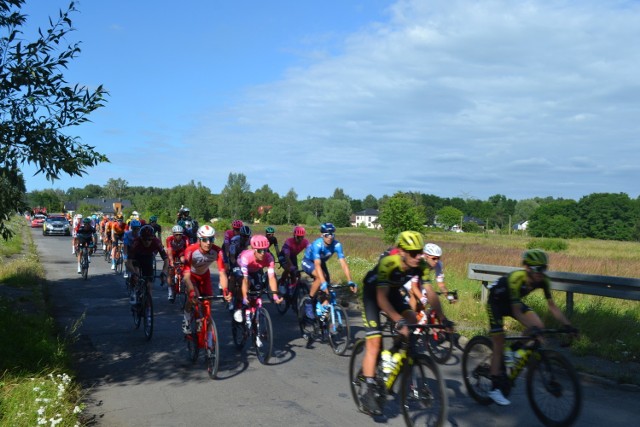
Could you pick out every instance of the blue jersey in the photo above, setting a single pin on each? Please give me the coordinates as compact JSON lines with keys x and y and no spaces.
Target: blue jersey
{"x":128,"y":238}
{"x":318,"y":250}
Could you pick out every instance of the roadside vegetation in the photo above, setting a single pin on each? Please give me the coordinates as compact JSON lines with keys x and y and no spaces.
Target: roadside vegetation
{"x":36,"y":384}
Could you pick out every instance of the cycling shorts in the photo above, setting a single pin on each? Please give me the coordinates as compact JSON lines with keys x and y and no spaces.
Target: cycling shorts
{"x":371,"y":312}
{"x":203,"y":283}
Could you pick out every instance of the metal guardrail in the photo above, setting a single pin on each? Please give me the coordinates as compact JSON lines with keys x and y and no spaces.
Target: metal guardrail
{"x":590,"y":284}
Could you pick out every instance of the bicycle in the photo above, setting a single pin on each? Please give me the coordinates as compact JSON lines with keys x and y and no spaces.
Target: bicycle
{"x":142,"y":311}
{"x":119,"y":257}
{"x":292,"y":291}
{"x":204,"y":335}
{"x":550,"y":376}
{"x":439,"y":342}
{"x":422,"y":396}
{"x":256,"y":325}
{"x":331,"y":324}
{"x":178,"y":286}
{"x":84,"y":260}
{"x":107,"y":251}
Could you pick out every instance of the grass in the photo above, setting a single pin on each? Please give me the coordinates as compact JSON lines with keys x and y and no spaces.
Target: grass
{"x":35,"y":387}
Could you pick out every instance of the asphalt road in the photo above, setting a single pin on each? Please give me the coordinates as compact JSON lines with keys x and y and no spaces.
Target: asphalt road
{"x":131,"y":382}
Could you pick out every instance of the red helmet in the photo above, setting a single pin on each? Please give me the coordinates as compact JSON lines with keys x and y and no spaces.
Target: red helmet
{"x":259,"y":242}
{"x":299,"y":231}
{"x":237,"y":224}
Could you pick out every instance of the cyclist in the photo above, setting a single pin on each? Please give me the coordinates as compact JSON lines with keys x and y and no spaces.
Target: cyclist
{"x":77,"y":221}
{"x":382,"y":292}
{"x":432,"y":254}
{"x":505,"y":299}
{"x":314,"y":264}
{"x":127,"y":240}
{"x":197,"y":276}
{"x":238,"y":244}
{"x":157,"y":228}
{"x":141,"y":254}
{"x":236,"y":225}
{"x":190,"y":232}
{"x":270,"y":233}
{"x":85,"y":235}
{"x":102,"y":228}
{"x":288,"y":255}
{"x":176,"y":245}
{"x":251,"y":263}
{"x":117,"y":233}
{"x":184,"y":214}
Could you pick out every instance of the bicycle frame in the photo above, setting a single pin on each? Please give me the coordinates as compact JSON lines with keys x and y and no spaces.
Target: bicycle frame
{"x":205,"y":336}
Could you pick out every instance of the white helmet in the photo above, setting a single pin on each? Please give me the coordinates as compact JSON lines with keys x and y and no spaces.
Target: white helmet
{"x":135,"y":213}
{"x":177,"y":229}
{"x":206,"y":231}
{"x":432,"y":249}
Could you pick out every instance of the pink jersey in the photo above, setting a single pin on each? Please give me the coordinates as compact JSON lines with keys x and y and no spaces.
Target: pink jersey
{"x":249,"y":264}
{"x":293,"y":247}
{"x":198,"y":261}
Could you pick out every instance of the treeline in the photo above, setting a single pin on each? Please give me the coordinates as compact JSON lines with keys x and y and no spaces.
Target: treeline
{"x":600,"y":215}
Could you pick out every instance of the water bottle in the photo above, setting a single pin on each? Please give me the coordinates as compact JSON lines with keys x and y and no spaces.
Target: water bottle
{"x":319,"y":309}
{"x":396,"y":361}
{"x":387,"y":364}
{"x":248,"y":317}
{"x":519,"y":356}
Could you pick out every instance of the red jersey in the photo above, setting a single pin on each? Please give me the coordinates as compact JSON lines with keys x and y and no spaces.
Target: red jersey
{"x":177,"y":247}
{"x":198,"y":262}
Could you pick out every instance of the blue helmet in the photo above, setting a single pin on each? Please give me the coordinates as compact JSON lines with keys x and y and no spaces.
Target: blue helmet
{"x":135,"y":224}
{"x":327,"y":227}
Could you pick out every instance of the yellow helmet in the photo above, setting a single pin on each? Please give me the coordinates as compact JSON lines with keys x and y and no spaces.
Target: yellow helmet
{"x":410,"y":241}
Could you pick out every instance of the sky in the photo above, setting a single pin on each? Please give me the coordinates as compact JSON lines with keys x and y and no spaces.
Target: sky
{"x":453,"y":98}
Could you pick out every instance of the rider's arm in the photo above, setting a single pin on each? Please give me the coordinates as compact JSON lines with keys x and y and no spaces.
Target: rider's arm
{"x":382,"y":298}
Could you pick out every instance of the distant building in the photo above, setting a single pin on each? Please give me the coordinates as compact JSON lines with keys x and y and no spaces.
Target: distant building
{"x":368,"y":217}
{"x":106,"y":206}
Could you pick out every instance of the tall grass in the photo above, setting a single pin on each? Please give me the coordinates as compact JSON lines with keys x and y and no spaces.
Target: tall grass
{"x":35,"y":388}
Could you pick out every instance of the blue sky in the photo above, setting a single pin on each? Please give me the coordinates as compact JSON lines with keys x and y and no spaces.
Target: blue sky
{"x":454,"y":98}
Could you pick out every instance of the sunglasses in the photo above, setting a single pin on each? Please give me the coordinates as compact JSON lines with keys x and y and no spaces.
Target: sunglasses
{"x":538,"y":268}
{"x":435,"y":258}
{"x":260,"y":251}
{"x":414,"y":254}
{"x":327,"y":235}
{"x":207,"y":239}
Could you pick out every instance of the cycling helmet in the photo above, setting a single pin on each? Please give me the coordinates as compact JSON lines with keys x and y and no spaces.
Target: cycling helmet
{"x":535,"y":257}
{"x":147,"y":232}
{"x":206,"y":231}
{"x":94,"y":216}
{"x":327,"y":227}
{"x":177,"y":229}
{"x":245,"y":231}
{"x":270,"y":230}
{"x":153,"y":218}
{"x":410,"y":241}
{"x":299,"y":231}
{"x":135,"y":223}
{"x":135,"y":214}
{"x":186,"y":210}
{"x":237,"y":224}
{"x":86,"y":220}
{"x":432,"y":249}
{"x":259,"y":242}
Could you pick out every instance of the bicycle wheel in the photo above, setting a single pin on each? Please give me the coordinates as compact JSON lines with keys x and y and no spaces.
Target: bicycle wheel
{"x":84,"y":265}
{"x":439,"y":344}
{"x":339,"y":330}
{"x":147,"y":313}
{"x":193,"y":348}
{"x":357,"y":380}
{"x":307,"y":326}
{"x":136,"y":310}
{"x":213,"y":350}
{"x":239,"y":332}
{"x":263,"y":337}
{"x":476,"y":363}
{"x":181,"y":295}
{"x":107,"y":255}
{"x":118,"y":262}
{"x":553,"y":389}
{"x":423,"y":394}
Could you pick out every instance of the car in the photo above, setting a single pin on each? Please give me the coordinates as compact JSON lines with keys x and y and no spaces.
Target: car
{"x":38,"y":220}
{"x":56,"y":225}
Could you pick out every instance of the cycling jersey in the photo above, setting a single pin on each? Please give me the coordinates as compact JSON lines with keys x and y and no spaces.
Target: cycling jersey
{"x":128,"y":238}
{"x":177,"y":246}
{"x":293,"y":247}
{"x":84,"y":235}
{"x":237,"y":245}
{"x":143,"y":255}
{"x":509,"y":290}
{"x":197,"y":264}
{"x":249,"y":264}
{"x":319,"y":250}
{"x":118,"y":228}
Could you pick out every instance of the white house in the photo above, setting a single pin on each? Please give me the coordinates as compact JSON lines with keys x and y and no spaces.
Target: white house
{"x":368,"y":217}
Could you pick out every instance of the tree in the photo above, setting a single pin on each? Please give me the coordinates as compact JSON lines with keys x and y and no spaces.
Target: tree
{"x":339,"y":194}
{"x":399,"y":213}
{"x":524,"y":209}
{"x":558,"y":218}
{"x":607,"y":216}
{"x":116,"y":188}
{"x":450,"y":216}
{"x":50,"y":199}
{"x":235,"y":198}
{"x":370,"y":202}
{"x":37,"y":106}
{"x":337,"y":211}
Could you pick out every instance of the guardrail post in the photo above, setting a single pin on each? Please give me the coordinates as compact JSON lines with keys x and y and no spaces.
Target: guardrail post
{"x":484,"y":295}
{"x":569,"y":304}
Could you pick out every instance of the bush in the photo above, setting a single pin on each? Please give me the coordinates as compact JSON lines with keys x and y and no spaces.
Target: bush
{"x":551,"y":245}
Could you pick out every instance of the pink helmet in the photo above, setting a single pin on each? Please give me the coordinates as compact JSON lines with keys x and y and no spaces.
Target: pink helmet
{"x":259,"y":242}
{"x":299,"y":231}
{"x":236,"y":224}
